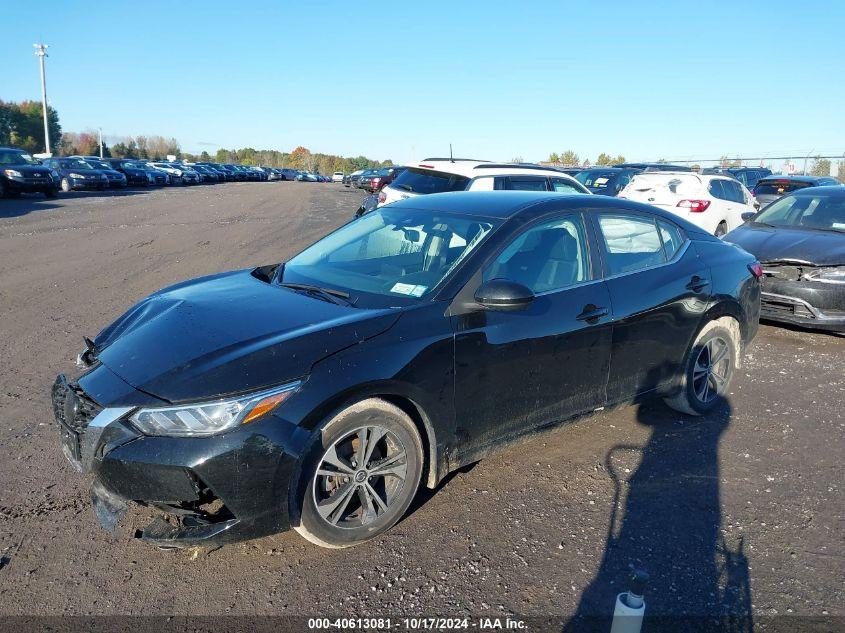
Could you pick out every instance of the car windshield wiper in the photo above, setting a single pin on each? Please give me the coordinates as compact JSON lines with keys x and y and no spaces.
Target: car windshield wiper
{"x":763,"y":223}
{"x":329,"y":294}
{"x":405,"y":187}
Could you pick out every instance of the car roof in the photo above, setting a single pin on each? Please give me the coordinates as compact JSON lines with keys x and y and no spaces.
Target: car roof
{"x":528,"y":204}
{"x":839,"y":190}
{"x":793,"y":178}
{"x":472,"y":168}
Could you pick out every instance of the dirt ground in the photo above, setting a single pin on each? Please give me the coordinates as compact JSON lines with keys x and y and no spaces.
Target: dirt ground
{"x":739,"y":513}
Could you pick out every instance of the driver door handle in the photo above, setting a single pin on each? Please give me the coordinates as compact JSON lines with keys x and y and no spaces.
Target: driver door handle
{"x":592,"y":313}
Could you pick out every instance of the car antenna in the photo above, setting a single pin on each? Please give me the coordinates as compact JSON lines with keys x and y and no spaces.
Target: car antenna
{"x":451,"y":159}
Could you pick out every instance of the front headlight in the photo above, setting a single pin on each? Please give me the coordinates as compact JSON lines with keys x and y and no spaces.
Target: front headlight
{"x":75,"y":175}
{"x":13,"y":173}
{"x":210,"y":418}
{"x":830,"y":275}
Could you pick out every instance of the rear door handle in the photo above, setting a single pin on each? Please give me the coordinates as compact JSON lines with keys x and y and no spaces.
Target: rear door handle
{"x":697,"y":284}
{"x":592,"y":313}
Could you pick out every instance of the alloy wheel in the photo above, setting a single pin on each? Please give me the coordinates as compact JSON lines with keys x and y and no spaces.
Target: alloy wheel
{"x":712,"y":369}
{"x":360,"y":477}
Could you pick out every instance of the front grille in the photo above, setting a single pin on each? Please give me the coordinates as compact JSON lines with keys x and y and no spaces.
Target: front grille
{"x":78,"y":416}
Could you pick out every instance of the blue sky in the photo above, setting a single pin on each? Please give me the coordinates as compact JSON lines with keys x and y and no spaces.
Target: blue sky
{"x":402,"y":80}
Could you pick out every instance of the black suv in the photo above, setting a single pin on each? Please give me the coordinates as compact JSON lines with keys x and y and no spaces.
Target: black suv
{"x":748,"y":176}
{"x":21,"y":173}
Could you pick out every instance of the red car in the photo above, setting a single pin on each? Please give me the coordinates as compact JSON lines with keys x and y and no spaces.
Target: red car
{"x":382,"y":177}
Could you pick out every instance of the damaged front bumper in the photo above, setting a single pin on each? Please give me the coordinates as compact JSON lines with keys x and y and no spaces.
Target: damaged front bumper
{"x":207,"y":491}
{"x":791,"y":296}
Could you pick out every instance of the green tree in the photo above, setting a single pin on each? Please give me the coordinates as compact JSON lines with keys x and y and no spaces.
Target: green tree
{"x":554,"y":158}
{"x":821,"y":167}
{"x":22,"y":125}
{"x":570,"y":158}
{"x":604,"y":159}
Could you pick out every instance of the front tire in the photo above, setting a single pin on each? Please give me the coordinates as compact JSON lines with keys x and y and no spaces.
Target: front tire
{"x":358,"y":475}
{"x":66,"y":187}
{"x":51,"y":193}
{"x":722,"y":229}
{"x":708,"y":368}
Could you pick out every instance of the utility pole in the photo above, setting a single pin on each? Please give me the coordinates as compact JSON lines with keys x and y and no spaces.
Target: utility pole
{"x":100,"y":130}
{"x":41,"y":53}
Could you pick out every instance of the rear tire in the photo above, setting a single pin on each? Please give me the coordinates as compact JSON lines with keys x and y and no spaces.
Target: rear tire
{"x":708,"y":368}
{"x":376,"y":452}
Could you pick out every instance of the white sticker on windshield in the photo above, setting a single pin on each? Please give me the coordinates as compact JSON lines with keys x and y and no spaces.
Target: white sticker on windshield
{"x":409,"y":289}
{"x":402,"y":289}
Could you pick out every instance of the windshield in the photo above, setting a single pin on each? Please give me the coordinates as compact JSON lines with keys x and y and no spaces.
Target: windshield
{"x":97,"y":164}
{"x":390,"y":256}
{"x":418,"y":180}
{"x":77,"y":163}
{"x":10,"y":157}
{"x":600,"y":179}
{"x":822,"y":212}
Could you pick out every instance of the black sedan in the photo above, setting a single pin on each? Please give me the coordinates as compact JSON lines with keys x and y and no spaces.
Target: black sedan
{"x":21,"y":173}
{"x":771,"y":188}
{"x":75,"y":173}
{"x":115,"y":176}
{"x":319,"y":394}
{"x":800,"y":240}
{"x":135,"y":173}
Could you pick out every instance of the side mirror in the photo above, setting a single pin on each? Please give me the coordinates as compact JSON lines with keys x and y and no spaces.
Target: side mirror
{"x":748,"y":215}
{"x":757,"y":205}
{"x":503,"y":295}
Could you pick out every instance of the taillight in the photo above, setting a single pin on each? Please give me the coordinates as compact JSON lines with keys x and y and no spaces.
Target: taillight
{"x":695,"y":206}
{"x":382,"y":197}
{"x":756,"y":269}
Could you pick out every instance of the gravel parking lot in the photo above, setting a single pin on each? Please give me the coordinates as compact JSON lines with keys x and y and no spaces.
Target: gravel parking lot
{"x":740,"y":513}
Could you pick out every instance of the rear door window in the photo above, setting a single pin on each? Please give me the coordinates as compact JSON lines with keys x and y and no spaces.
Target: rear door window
{"x":630,"y":242}
{"x":425,"y":181}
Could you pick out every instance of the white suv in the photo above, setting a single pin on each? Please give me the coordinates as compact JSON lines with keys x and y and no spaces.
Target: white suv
{"x":715,"y":203}
{"x":337,"y":176}
{"x":438,"y":175}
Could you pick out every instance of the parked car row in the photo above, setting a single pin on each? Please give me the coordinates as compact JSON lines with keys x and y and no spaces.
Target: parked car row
{"x":21,"y":173}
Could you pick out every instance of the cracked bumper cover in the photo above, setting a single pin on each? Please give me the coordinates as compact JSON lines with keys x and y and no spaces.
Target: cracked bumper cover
{"x":246,"y":471}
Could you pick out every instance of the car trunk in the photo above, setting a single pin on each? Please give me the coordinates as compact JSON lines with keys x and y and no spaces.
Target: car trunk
{"x":665,"y":191}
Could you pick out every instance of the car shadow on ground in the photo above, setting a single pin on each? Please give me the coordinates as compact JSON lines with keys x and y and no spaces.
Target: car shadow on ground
{"x":29,"y":203}
{"x":666,"y":520}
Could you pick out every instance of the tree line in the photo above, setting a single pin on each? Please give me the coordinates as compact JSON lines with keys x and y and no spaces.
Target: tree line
{"x":569,"y":158}
{"x":21,"y":125}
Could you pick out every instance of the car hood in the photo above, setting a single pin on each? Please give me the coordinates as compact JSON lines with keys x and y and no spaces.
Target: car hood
{"x":229,"y":333}
{"x":29,"y":170}
{"x":767,"y":244}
